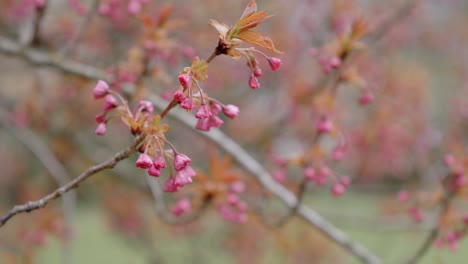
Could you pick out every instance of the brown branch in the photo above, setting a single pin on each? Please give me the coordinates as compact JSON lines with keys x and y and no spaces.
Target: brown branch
{"x":41,"y":203}
{"x":429,"y":241}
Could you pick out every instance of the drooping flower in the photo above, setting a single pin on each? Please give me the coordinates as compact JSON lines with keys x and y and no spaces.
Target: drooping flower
{"x":100,"y":90}
{"x":181,"y":161}
{"x":231,"y":111}
{"x":203,"y":112}
{"x":144,"y":161}
{"x":101,"y":129}
{"x":275,"y":63}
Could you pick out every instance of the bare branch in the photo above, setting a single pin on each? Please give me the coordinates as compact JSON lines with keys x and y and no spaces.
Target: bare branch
{"x":108,"y":164}
{"x":429,"y":241}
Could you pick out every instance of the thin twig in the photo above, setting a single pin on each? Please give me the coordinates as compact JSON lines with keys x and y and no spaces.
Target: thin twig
{"x":429,"y":241}
{"x":108,"y":164}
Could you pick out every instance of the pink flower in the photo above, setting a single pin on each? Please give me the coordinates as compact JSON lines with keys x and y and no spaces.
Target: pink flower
{"x":366,"y":97}
{"x":181,"y":207}
{"x":324,"y":125}
{"x":101,"y":129}
{"x":253,"y":83}
{"x":279,"y":176}
{"x":203,"y":112}
{"x":170,"y":185}
{"x":134,"y":7}
{"x":184,"y":80}
{"x":215,"y":108}
{"x":345,"y":180}
{"x":146,"y":106}
{"x":309,"y":173}
{"x":416,"y":214}
{"x":232,"y":199}
{"x":403,"y":196}
{"x":181,"y":161}
{"x":275,"y":63}
{"x":257,"y":72}
{"x":100,"y":118}
{"x":231,"y":111}
{"x":184,"y":176}
{"x":154,"y":171}
{"x":203,"y":125}
{"x":449,"y":160}
{"x":144,"y":161}
{"x":100,"y":90}
{"x":179,"y":96}
{"x":215,"y":121}
{"x":338,"y":189}
{"x":187,"y":104}
{"x":159,"y":162}
{"x":109,"y":103}
{"x":335,"y":62}
{"x":237,"y":187}
{"x":338,"y":153}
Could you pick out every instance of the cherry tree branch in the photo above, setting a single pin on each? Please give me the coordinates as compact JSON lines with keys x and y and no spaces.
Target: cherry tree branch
{"x":41,"y":203}
{"x":224,"y":142}
{"x":429,"y":241}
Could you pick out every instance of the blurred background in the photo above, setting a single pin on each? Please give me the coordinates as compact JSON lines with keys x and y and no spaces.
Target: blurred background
{"x":398,"y":105}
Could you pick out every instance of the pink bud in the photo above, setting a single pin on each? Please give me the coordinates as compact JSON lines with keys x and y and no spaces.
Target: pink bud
{"x":144,"y":161}
{"x":280,"y":176}
{"x":253,"y":83}
{"x":179,"y":96}
{"x":345,"y":180}
{"x":170,"y":185}
{"x":257,"y":72}
{"x":146,"y":106}
{"x":187,"y":104}
{"x":100,"y":118}
{"x":215,"y":108}
{"x":366,"y":97}
{"x":181,"y":207}
{"x":104,"y":9}
{"x":275,"y":63}
{"x":338,"y":189}
{"x":231,"y":111}
{"x":109,"y":103}
{"x":184,"y":80}
{"x":449,"y":160}
{"x":181,"y":161}
{"x":159,"y":162}
{"x":309,"y":173}
{"x":233,"y":199}
{"x":324,"y":125}
{"x":237,"y":187}
{"x":215,"y":121}
{"x":335,"y":62}
{"x":203,"y":112}
{"x":101,"y":129}
{"x":134,"y":7}
{"x":338,"y":153}
{"x":203,"y":125}
{"x":403,"y":196}
{"x":154,"y":171}
{"x":439,"y":243}
{"x":100,"y":90}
